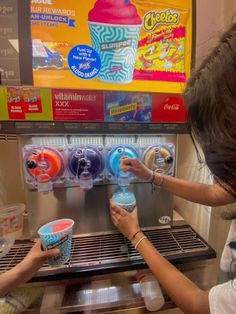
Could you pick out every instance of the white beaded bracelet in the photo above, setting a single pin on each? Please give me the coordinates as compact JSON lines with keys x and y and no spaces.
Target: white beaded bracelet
{"x":139,"y":241}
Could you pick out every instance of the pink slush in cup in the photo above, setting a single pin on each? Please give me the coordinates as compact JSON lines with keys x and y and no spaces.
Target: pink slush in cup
{"x":114,"y":30}
{"x":57,"y":234}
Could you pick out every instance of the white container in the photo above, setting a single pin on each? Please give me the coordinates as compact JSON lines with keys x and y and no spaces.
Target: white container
{"x":6,"y":242}
{"x":151,"y":292}
{"x":11,"y":220}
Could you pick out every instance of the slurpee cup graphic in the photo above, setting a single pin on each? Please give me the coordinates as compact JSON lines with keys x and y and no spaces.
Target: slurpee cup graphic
{"x":57,"y":234}
{"x":114,"y":30}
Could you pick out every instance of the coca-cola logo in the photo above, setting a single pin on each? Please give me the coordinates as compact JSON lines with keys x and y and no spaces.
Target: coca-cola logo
{"x":168,"y":108}
{"x":171,"y":107}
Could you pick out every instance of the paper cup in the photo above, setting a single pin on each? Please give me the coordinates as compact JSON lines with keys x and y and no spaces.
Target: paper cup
{"x":116,"y":46}
{"x":57,"y":234}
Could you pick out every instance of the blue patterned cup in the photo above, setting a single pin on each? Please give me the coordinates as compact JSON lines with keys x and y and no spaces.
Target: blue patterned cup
{"x":116,"y":46}
{"x":57,"y":234}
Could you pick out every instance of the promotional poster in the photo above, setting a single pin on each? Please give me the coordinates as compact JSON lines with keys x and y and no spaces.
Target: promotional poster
{"x":106,"y":61}
{"x":69,"y":104}
{"x":128,"y":107}
{"x":25,"y":103}
{"x":34,"y":104}
{"x":112,"y":45}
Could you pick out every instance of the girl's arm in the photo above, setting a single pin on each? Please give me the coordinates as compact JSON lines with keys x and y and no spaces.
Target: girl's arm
{"x":25,"y":269}
{"x":206,"y":194}
{"x":186,"y":295}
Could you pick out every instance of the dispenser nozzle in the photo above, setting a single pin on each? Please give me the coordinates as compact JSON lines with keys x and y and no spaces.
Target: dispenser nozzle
{"x":85,"y":178}
{"x":123,"y":178}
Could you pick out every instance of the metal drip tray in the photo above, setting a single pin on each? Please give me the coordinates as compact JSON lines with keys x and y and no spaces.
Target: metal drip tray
{"x":112,"y":251}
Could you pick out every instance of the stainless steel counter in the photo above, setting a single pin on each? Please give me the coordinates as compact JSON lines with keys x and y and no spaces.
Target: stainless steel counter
{"x":114,"y":292}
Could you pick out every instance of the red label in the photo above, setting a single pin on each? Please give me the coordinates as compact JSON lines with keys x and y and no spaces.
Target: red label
{"x":22,"y":100}
{"x":33,"y":107}
{"x":16,"y":111}
{"x":168,"y":108}
{"x":77,"y":105}
{"x":32,"y":100}
{"x":15,"y":103}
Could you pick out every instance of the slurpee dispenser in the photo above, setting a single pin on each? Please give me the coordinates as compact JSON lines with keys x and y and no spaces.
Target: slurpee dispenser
{"x":86,"y":165}
{"x":44,"y":166}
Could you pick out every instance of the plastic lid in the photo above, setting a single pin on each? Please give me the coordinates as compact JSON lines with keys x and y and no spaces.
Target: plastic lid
{"x":6,"y":242}
{"x":88,"y":157}
{"x":48,"y":164}
{"x":12,"y":209}
{"x":158,"y":158}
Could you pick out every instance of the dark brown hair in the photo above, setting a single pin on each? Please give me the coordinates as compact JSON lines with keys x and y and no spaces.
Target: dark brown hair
{"x":210,"y":95}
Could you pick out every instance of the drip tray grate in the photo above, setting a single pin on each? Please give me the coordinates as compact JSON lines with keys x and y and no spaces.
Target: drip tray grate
{"x":112,"y":250}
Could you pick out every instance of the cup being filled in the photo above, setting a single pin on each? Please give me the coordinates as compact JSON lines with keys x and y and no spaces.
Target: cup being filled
{"x":57,"y":234}
{"x":125,"y":199}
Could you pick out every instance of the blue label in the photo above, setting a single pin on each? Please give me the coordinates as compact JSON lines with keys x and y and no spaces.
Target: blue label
{"x":53,"y":18}
{"x":84,"y":61}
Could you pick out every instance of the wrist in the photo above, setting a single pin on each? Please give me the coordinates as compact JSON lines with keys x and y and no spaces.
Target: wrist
{"x":158,"y":179}
{"x":27,"y":268}
{"x":149,"y":175}
{"x":20,"y":271}
{"x":137,"y":238}
{"x":134,"y":234}
{"x":24,"y":266}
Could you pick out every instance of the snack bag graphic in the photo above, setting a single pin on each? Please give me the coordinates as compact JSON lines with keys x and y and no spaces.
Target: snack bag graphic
{"x":114,"y":30}
{"x":161,"y":46}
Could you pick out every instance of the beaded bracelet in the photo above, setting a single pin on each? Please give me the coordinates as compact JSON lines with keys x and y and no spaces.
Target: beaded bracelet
{"x":161,"y":180}
{"x":139,"y":241}
{"x":153,"y":177}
